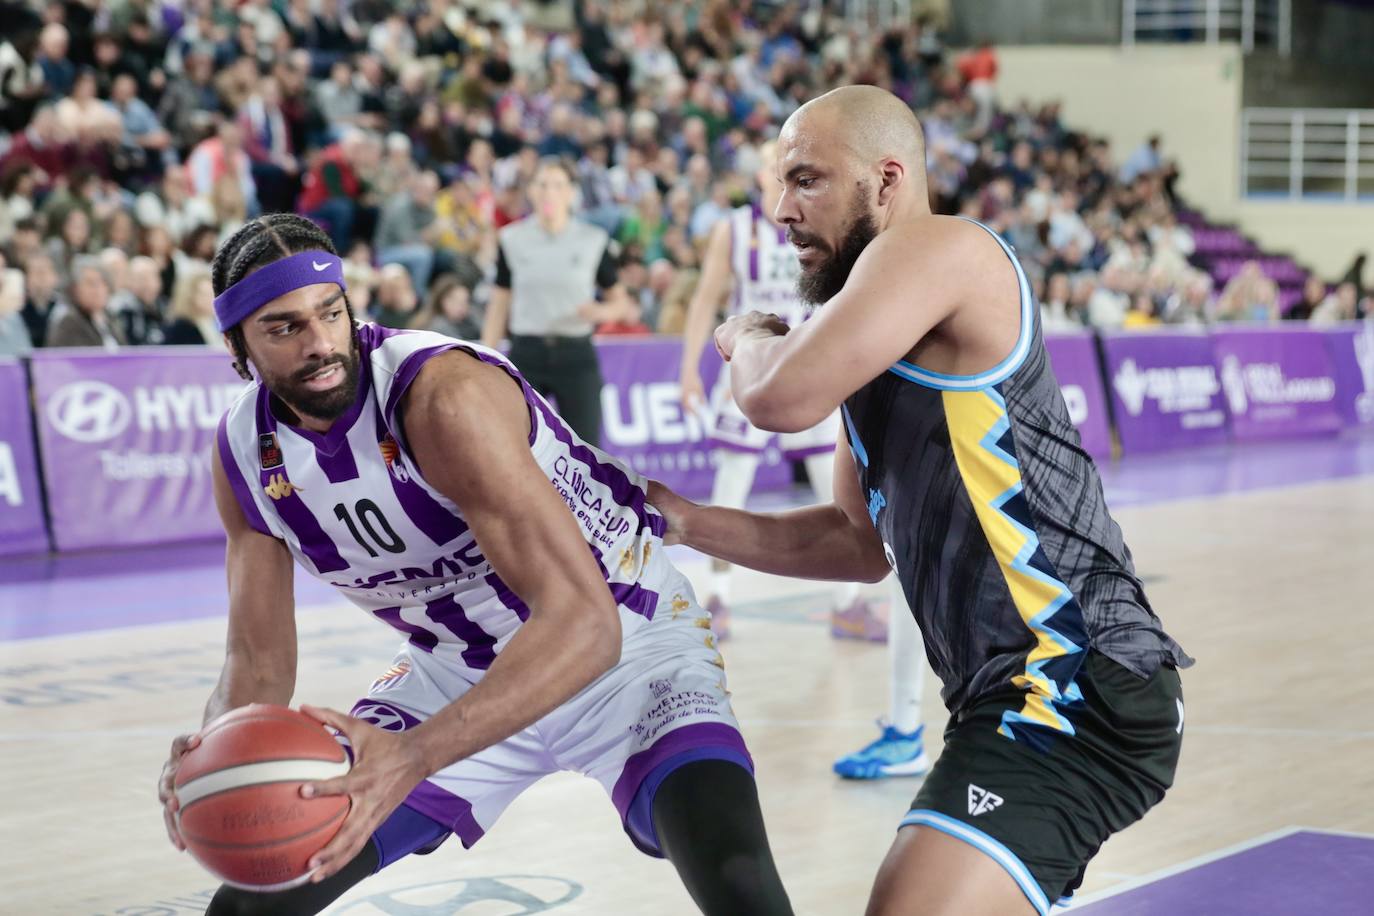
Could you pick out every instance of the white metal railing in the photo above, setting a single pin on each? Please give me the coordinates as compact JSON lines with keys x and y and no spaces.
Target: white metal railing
{"x":1250,"y":22}
{"x":864,"y":16}
{"x":1307,"y":153}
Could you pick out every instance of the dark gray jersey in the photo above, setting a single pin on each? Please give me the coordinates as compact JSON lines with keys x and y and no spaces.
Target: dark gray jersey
{"x":994,"y":518}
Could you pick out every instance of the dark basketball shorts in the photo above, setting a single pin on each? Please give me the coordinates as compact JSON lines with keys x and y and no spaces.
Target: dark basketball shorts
{"x":1042,"y":814}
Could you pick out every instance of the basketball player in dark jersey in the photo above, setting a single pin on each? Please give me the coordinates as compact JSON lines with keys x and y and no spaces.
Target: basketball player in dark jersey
{"x":959,"y":468}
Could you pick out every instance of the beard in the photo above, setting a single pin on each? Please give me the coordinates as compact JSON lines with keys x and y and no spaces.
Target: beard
{"x":322,"y":405}
{"x":822,"y":283}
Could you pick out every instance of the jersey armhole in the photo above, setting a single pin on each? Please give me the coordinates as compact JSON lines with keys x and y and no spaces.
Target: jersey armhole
{"x":237,"y":483}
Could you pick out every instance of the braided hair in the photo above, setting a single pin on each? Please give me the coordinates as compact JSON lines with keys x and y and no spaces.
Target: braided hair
{"x":260,"y":242}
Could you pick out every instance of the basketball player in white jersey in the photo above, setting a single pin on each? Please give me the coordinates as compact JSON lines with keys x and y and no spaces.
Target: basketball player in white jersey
{"x":749,"y":259}
{"x":545,"y":629}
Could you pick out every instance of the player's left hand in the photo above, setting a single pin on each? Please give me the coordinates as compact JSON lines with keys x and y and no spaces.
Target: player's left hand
{"x":386,"y":766}
{"x":750,"y":324}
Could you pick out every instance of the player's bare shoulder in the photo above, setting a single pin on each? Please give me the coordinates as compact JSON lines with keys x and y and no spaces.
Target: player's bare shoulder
{"x":458,"y":387}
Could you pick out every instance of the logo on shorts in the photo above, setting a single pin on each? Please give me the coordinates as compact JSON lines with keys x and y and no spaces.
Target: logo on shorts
{"x":660,"y":688}
{"x":382,"y":716}
{"x":981,"y":801}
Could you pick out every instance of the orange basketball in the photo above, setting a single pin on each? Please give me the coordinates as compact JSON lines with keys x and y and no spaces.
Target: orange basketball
{"x":239,"y":791}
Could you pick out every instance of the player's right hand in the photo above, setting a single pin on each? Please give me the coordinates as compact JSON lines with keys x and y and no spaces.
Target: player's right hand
{"x":166,"y":787}
{"x":693,"y":391}
{"x":672,"y":507}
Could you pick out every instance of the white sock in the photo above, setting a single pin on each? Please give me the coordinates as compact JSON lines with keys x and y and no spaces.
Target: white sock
{"x":907,"y":662}
{"x":846,"y":594}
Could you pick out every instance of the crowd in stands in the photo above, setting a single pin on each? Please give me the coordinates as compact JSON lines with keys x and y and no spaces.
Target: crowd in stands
{"x":136,"y":134}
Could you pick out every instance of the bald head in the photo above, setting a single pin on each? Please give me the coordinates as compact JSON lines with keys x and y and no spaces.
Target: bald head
{"x":851,"y":164}
{"x":873,"y":123}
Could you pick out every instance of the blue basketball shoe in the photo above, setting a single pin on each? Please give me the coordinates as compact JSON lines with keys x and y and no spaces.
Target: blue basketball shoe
{"x":893,"y":754}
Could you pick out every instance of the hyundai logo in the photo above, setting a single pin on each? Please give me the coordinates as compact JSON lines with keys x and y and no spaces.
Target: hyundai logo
{"x":88,"y":411}
{"x":516,"y":895}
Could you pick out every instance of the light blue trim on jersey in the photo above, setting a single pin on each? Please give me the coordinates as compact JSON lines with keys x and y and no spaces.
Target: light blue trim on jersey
{"x":1003,"y":370}
{"x":856,"y":443}
{"x":985,"y":844}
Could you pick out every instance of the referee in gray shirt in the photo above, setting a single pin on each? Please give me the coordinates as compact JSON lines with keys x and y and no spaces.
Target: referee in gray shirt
{"x":548,"y":269}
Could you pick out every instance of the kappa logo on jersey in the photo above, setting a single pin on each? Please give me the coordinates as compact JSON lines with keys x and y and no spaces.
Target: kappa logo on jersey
{"x":981,"y":801}
{"x":269,"y":453}
{"x":391,"y":454}
{"x":278,"y":487}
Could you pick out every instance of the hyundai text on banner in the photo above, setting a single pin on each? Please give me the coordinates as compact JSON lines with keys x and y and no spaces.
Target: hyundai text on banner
{"x":1351,"y":349}
{"x":1074,"y":360}
{"x":1278,"y":382}
{"x":1165,"y":390}
{"x":126,"y":443}
{"x":644,"y":423}
{"x":21,"y":501}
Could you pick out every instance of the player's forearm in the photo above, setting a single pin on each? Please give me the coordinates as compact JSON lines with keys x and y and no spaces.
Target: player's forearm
{"x":242,"y":681}
{"x":817,"y":542}
{"x":550,"y":659}
{"x":763,"y":389}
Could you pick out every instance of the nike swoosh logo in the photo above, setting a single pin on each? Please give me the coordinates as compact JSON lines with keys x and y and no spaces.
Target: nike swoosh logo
{"x":318,"y":266}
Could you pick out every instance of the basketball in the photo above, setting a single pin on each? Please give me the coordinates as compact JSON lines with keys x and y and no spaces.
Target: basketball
{"x":241,"y":813}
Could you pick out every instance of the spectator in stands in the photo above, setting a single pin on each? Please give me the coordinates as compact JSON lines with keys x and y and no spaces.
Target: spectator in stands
{"x":333,"y":190}
{"x":41,"y":297}
{"x":1340,"y":306}
{"x":59,"y":73}
{"x":86,"y":322}
{"x":267,"y":140}
{"x":1112,"y":299}
{"x":1056,"y":311}
{"x":448,"y":310}
{"x":1191,"y":304}
{"x":1313,"y":293}
{"x":222,"y":155}
{"x":1141,"y":314}
{"x":397,"y":302}
{"x":407,"y":230}
{"x":173,"y":206}
{"x":140,"y":308}
{"x":189,"y":103}
{"x":191,"y":319}
{"x":73,"y":237}
{"x":143,"y":141}
{"x":1145,"y":160}
{"x":14,"y":331}
{"x":1249,"y":296}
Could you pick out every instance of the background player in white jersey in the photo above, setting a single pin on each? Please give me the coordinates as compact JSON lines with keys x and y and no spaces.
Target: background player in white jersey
{"x":546,"y":630}
{"x":749,"y":259}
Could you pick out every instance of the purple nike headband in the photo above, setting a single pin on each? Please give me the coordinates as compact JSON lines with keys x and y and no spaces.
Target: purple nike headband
{"x":276,"y":279}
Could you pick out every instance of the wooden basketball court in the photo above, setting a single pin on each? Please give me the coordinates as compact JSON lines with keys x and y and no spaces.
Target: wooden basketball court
{"x":1269,"y":589}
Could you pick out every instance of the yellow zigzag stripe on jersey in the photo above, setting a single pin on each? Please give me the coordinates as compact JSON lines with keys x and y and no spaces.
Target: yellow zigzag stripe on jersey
{"x":977,"y":420}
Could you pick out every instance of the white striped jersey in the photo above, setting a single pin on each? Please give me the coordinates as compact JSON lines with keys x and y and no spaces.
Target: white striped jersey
{"x":356,"y":513}
{"x":765,"y":266}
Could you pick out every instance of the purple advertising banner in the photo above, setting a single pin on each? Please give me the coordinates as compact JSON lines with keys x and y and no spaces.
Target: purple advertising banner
{"x":1074,"y":359}
{"x":21,"y":501}
{"x":126,"y":443}
{"x":1351,"y":349}
{"x":645,"y":424}
{"x":1278,"y":382}
{"x":1166,"y":392}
